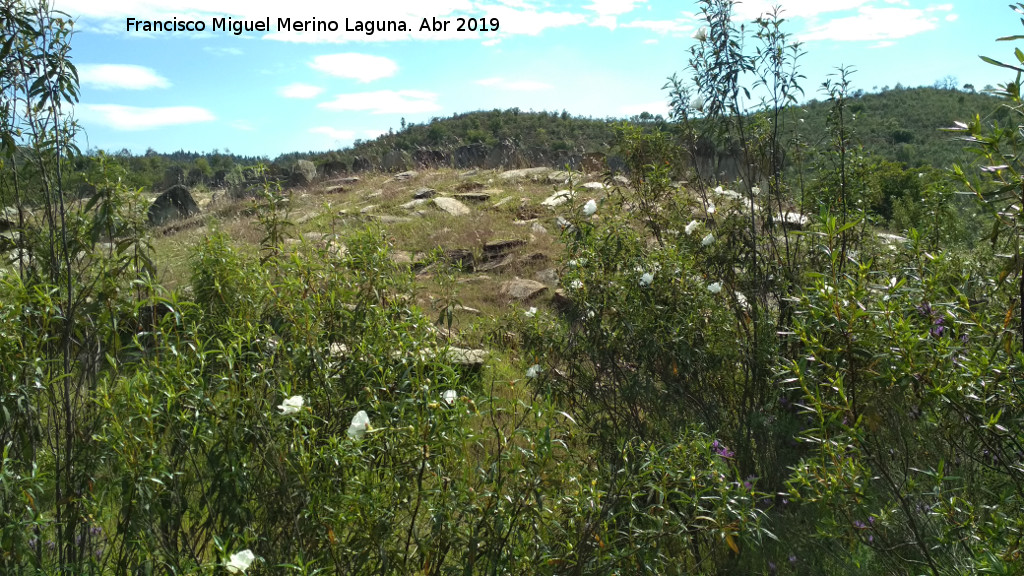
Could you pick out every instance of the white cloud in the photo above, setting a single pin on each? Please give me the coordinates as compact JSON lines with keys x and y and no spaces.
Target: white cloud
{"x":134,"y":118}
{"x":300,"y":91}
{"x":874,"y":24}
{"x":952,"y":17}
{"x":124,"y":76}
{"x":651,"y":41}
{"x":244,"y":125}
{"x":491,"y":42}
{"x":385,"y":102}
{"x":514,"y":85}
{"x":608,"y":11}
{"x":752,"y":9}
{"x":223,"y":51}
{"x":362,"y":67}
{"x":334,"y":134}
{"x":674,"y":27}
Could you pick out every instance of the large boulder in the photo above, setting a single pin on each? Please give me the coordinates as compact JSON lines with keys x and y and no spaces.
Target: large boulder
{"x":304,"y":173}
{"x":174,"y":203}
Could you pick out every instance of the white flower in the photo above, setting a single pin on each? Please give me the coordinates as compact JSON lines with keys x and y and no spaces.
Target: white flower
{"x":691,"y":227}
{"x":646,"y":279}
{"x":589,"y":208}
{"x":719,"y":190}
{"x":708,"y":240}
{"x":701,"y":34}
{"x":449,"y":397}
{"x":711,"y":207}
{"x":533,"y":371}
{"x":755,"y":190}
{"x":531,"y":312}
{"x":292,"y":405}
{"x":715,"y":287}
{"x":697,"y":103}
{"x":240,"y":561}
{"x":360,"y":424}
{"x":577,"y":284}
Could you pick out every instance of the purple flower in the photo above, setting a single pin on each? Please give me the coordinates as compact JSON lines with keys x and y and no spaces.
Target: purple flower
{"x":33,"y":542}
{"x":792,"y":558}
{"x":722,"y":450}
{"x":859,"y":525}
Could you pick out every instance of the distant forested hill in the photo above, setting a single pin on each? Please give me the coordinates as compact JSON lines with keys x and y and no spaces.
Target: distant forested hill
{"x":899,"y":125}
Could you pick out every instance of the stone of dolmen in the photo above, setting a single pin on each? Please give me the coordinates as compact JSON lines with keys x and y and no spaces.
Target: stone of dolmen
{"x":174,"y":203}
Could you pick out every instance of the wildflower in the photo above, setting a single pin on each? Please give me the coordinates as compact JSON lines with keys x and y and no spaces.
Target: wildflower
{"x":721,"y":450}
{"x":711,"y":207}
{"x":708,"y":240}
{"x":449,"y":397}
{"x":701,"y":35}
{"x":719,"y":190}
{"x":240,"y":561}
{"x":697,"y":103}
{"x":589,"y":208}
{"x":292,"y":405}
{"x":577,"y":284}
{"x":755,"y":190}
{"x":533,"y":371}
{"x":715,"y":287}
{"x":360,"y":424}
{"x":691,"y":227}
{"x":531,"y":312}
{"x":646,"y":279}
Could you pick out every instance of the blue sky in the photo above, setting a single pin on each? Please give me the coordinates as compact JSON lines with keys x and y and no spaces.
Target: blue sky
{"x":266,"y":93}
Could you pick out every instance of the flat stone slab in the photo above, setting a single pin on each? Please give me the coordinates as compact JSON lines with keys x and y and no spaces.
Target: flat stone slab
{"x":406,"y":175}
{"x":594,"y":186}
{"x":522,"y":290}
{"x":336,"y":189}
{"x":496,"y":265}
{"x":473,"y":196}
{"x":389,"y":219}
{"x":451,"y":206}
{"x":496,"y":248}
{"x":425,"y":193}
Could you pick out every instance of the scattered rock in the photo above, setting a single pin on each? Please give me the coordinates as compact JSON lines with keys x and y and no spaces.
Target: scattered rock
{"x":594,"y":186}
{"x":337,"y":189}
{"x":174,"y":203}
{"x":557,"y":199}
{"x":424,"y":193}
{"x":547,"y":276}
{"x":467,"y":357}
{"x":346,"y":180}
{"x":469,"y":186}
{"x":462,"y":258}
{"x":538,"y":228}
{"x":389,"y":219}
{"x":621,"y":180}
{"x":408,"y":175}
{"x":367,"y":209}
{"x":561,"y":300}
{"x":451,"y":206}
{"x":522,"y":290}
{"x":532,"y":173}
{"x":414,"y":203}
{"x":502,"y":202}
{"x":793,"y":220}
{"x":558,"y":177}
{"x":401,"y":257}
